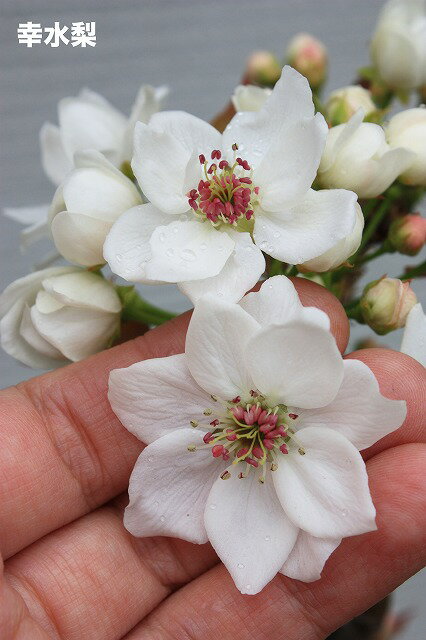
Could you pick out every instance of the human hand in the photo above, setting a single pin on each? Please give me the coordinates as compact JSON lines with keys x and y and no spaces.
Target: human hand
{"x":71,"y":569}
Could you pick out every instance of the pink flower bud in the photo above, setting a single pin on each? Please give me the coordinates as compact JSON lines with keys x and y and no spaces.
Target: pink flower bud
{"x":263,"y":69}
{"x":386,"y":303}
{"x":408,"y":234}
{"x":309,"y":57}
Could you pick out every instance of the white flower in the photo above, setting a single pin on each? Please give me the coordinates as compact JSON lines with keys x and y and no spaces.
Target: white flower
{"x":408,"y":129}
{"x":343,"y":103}
{"x":249,"y":97}
{"x":85,"y":206}
{"x":338,"y":254}
{"x":56,"y":315}
{"x":398,"y":46}
{"x":414,"y":338}
{"x":357,"y":157}
{"x":89,"y":121}
{"x":212,"y":195}
{"x":35,"y":220}
{"x":253,"y":437}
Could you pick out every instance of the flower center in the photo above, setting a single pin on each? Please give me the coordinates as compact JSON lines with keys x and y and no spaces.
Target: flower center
{"x":227,"y":194}
{"x":252,"y":433}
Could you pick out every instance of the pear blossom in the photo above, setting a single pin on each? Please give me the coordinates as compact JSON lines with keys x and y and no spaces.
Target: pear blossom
{"x":253,"y":437}
{"x":357,"y":157}
{"x":249,"y":97}
{"x":308,"y":55}
{"x":408,"y":129}
{"x":89,"y":121}
{"x":398,"y":44}
{"x":337,"y":255}
{"x":217,"y":201}
{"x":414,"y":338}
{"x":85,"y":205}
{"x":343,"y":103}
{"x":262,"y":68}
{"x":56,"y":315}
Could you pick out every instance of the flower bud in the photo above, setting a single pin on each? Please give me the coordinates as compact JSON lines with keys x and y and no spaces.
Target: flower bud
{"x":408,"y":129}
{"x":57,"y":315}
{"x":263,"y":68}
{"x":386,"y":303}
{"x":357,"y":157}
{"x":308,"y":56}
{"x":408,"y":234}
{"x":343,"y":103}
{"x":86,"y":205}
{"x":397,"y":46}
{"x":341,"y":251}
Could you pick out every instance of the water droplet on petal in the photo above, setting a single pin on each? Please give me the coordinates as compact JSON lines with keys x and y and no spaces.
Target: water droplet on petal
{"x":203,"y":246}
{"x":162,"y":237}
{"x":220,"y":248}
{"x":162,"y":518}
{"x":263,"y":245}
{"x":344,"y":512}
{"x":150,"y":459}
{"x":240,"y":566}
{"x":170,"y":252}
{"x":277,"y":234}
{"x":188,"y":255}
{"x":248,"y":587}
{"x":271,"y":248}
{"x":268,"y":538}
{"x":118,"y":257}
{"x":213,"y":506}
{"x":156,"y":504}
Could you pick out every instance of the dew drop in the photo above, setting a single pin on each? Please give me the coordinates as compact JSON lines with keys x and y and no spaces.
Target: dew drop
{"x":175,"y":229}
{"x":277,"y":234}
{"x":156,"y":504}
{"x":344,"y":512}
{"x":170,"y":252}
{"x":271,"y":248}
{"x":150,"y":459}
{"x":188,"y":255}
{"x":162,"y":518}
{"x":162,"y":237}
{"x":220,"y":248}
{"x":118,"y":257}
{"x":220,"y":294}
{"x":240,"y":566}
{"x":248,"y":587}
{"x":203,"y":246}
{"x":268,"y":538}
{"x":263,"y":245}
{"x":213,"y":507}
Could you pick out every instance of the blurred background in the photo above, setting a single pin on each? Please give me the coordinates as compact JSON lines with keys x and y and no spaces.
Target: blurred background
{"x":199,"y":49}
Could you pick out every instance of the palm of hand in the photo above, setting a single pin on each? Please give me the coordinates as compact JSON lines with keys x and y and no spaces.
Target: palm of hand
{"x":71,"y":569}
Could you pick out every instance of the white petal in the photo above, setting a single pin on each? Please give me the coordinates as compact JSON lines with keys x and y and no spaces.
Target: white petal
{"x":169,"y":487}
{"x":359,"y":411}
{"x":56,"y":162}
{"x":249,"y":97}
{"x":325,"y":492}
{"x":155,"y":397}
{"x":99,"y":193}
{"x":84,"y":289}
{"x":289,"y":102}
{"x":187,"y":250}
{"x":414,"y":338}
{"x":215,"y":344}
{"x":289,"y":166}
{"x":79,"y":237}
{"x":160,"y":163}
{"x":26,"y":288}
{"x":127,"y":249}
{"x":193,"y":133}
{"x":248,"y":529}
{"x":77,"y":333}
{"x":296,"y":364}
{"x":89,"y":124}
{"x":34,"y":339}
{"x":277,"y":302}
{"x":148,"y":101}
{"x":391,"y":165}
{"x":46,"y":303}
{"x":309,"y":228}
{"x":242,"y":270}
{"x":27,"y":215}
{"x":308,"y":557}
{"x":16,"y":346}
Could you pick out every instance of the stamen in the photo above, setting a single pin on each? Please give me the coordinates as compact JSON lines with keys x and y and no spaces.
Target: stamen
{"x":193,"y":423}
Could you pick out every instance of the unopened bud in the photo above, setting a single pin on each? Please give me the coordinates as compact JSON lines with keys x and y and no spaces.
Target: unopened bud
{"x":343,"y":103}
{"x":386,"y":303}
{"x":408,"y":234}
{"x":308,"y":56}
{"x":263,"y":69}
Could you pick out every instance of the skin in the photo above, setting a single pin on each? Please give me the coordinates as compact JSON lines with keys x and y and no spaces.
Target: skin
{"x":72,"y":571}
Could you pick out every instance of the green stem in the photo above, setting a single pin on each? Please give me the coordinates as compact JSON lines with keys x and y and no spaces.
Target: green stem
{"x":291,"y":270}
{"x":384,"y":248}
{"x":374,"y":223}
{"x":139,"y":310}
{"x":415,"y":272}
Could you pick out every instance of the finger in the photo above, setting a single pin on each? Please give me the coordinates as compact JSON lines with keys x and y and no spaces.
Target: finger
{"x":93,"y":564}
{"x":399,"y":377}
{"x":362,"y":571}
{"x":62,"y":450}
